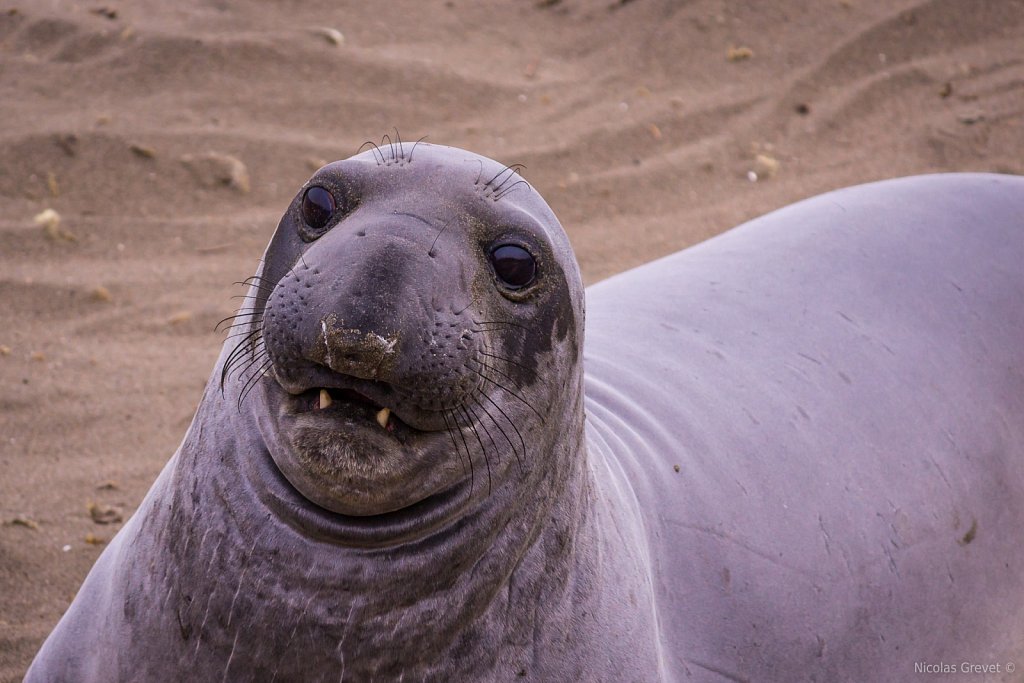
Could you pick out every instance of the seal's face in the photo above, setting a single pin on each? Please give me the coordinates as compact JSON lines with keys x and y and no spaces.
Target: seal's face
{"x":413,"y":308}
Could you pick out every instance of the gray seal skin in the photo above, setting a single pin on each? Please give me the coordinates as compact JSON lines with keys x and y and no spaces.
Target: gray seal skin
{"x":796,"y":453}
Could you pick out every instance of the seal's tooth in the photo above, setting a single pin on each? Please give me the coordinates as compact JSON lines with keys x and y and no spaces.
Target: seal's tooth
{"x":325,"y":399}
{"x":382,"y":417}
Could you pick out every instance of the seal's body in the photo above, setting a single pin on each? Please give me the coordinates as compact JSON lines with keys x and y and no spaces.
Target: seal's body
{"x":841,"y":385}
{"x":795,"y":453}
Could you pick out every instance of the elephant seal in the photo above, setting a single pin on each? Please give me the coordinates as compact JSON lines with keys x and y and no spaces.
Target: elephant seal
{"x":795,"y":454}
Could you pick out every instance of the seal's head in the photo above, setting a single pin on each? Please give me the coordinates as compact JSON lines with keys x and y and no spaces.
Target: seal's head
{"x":419,"y":321}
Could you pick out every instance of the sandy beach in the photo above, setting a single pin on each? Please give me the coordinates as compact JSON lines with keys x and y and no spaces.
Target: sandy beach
{"x":147,"y":150}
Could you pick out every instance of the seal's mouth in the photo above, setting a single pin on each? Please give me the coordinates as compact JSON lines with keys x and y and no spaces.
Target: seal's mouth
{"x":349,"y":402}
{"x":324,"y":397}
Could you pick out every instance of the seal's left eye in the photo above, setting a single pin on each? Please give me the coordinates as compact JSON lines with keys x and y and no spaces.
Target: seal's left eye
{"x":318,"y":206}
{"x":514,"y":266}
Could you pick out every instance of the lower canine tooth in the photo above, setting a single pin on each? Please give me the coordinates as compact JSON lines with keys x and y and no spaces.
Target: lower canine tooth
{"x":325,"y":399}
{"x":382,"y":417}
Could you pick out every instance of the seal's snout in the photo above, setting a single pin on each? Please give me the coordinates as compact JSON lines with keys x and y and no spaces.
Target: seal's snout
{"x":347,"y":351}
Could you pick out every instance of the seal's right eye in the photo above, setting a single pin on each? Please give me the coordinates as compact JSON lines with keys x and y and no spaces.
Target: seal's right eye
{"x":514,"y":266}
{"x":318,"y":206}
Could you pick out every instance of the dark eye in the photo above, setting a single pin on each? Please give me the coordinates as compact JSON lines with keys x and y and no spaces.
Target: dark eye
{"x":318,"y":206}
{"x":513,"y":265}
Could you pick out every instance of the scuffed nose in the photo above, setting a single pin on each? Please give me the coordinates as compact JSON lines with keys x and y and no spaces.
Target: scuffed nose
{"x":355,"y":352}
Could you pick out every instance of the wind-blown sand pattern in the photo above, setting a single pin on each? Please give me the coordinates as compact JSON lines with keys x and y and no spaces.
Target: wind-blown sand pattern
{"x":168,"y":138}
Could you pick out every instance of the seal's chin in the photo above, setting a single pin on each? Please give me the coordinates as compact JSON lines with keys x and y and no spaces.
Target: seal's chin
{"x":349,"y":454}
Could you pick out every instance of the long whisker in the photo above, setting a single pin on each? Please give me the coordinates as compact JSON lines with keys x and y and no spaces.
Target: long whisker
{"x":510,"y":422}
{"x":483,"y":450}
{"x":414,"y":147}
{"x":498,"y":195}
{"x":506,"y":389}
{"x":256,"y":358}
{"x":239,"y":333}
{"x":504,"y":322}
{"x":376,"y":151}
{"x":487,"y":431}
{"x":430,"y":252}
{"x":510,"y":362}
{"x":238,"y":315}
{"x":247,"y":344}
{"x":469,"y":456}
{"x":251,"y":384}
{"x":488,"y":366}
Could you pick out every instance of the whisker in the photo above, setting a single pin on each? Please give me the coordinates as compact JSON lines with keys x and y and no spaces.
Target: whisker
{"x":249,"y":343}
{"x":469,"y":456}
{"x":504,"y":322}
{"x":376,"y":151}
{"x":488,"y":431}
{"x":430,"y":252}
{"x":241,"y":324}
{"x":241,"y":332}
{"x":253,"y":381}
{"x":255,"y":281}
{"x":401,"y":150}
{"x":506,"y":389}
{"x":483,"y":450}
{"x":414,"y":147}
{"x":237,"y":316}
{"x":256,"y":359}
{"x":498,"y":425}
{"x":488,"y":366}
{"x":509,"y":361}
{"x":502,"y":193}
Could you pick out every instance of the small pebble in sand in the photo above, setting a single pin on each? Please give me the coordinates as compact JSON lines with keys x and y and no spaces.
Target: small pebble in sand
{"x":143,"y":151}
{"x":331,"y":35}
{"x":100,"y":293}
{"x":38,"y":356}
{"x":50,"y":222}
{"x":25,"y":521}
{"x":108,"y":485}
{"x":765,"y":166}
{"x":179,"y":318}
{"x":5,"y":350}
{"x":218,"y":170}
{"x":970,"y":118}
{"x":107,"y":12}
{"x":66,"y":548}
{"x":104,"y":514}
{"x":93,"y":539}
{"x":738,"y":54}
{"x":51,"y":183}
{"x":654,"y":131}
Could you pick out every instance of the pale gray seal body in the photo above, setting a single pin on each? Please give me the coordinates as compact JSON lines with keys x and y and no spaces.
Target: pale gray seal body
{"x":796,"y":453}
